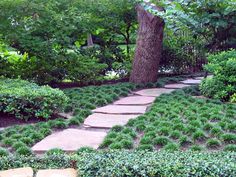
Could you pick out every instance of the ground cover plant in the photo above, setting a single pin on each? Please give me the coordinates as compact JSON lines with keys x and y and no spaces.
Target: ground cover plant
{"x":178,"y":121}
{"x":136,"y":163}
{"x":19,"y":138}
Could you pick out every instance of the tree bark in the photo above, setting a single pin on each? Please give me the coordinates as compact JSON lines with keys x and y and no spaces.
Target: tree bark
{"x":90,"y":40}
{"x":149,"y":47}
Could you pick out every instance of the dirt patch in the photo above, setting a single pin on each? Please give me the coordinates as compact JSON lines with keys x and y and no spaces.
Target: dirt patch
{"x":7,"y":120}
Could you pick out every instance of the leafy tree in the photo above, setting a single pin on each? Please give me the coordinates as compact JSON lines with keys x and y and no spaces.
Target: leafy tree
{"x":112,"y":18}
{"x":46,"y":31}
{"x":213,"y":21}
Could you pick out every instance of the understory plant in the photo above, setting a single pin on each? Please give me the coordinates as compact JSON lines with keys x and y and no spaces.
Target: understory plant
{"x":25,"y":100}
{"x":223,"y":83}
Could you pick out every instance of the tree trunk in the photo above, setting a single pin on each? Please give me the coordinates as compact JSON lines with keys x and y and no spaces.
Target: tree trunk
{"x":149,"y":47}
{"x":90,"y":40}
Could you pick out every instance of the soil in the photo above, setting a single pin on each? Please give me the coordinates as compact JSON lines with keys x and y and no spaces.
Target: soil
{"x":7,"y":120}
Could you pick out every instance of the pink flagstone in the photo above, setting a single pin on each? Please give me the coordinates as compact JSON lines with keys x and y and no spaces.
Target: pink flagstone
{"x":176,"y":86}
{"x":135,"y":100}
{"x":18,"y":172}
{"x":118,"y":109}
{"x":70,"y":172}
{"x":98,"y":120}
{"x":191,"y":81}
{"x":70,"y":140}
{"x":154,"y":92}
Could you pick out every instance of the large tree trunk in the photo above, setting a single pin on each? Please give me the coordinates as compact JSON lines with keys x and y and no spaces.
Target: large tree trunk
{"x":149,"y":47}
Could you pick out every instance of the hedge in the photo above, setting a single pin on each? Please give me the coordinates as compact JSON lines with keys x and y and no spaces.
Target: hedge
{"x":36,"y":162}
{"x":25,"y":99}
{"x":132,"y":163}
{"x":148,"y":164}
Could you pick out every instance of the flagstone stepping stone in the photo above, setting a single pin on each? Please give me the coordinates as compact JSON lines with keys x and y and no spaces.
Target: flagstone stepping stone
{"x":70,"y":140}
{"x":135,"y":100}
{"x":118,"y":109}
{"x":66,"y":115}
{"x":70,"y":172}
{"x":199,"y":78}
{"x":176,"y":86}
{"x":191,"y":81}
{"x":18,"y":172}
{"x":154,"y":92}
{"x":98,"y":120}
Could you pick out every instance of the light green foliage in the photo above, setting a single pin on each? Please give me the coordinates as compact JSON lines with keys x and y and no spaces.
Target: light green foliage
{"x":223,"y":84}
{"x":25,"y":100}
{"x":213,"y":22}
{"x":52,"y":35}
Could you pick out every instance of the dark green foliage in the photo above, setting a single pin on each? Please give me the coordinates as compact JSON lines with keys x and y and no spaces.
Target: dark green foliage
{"x":25,"y":100}
{"x":36,"y":162}
{"x":146,"y":163}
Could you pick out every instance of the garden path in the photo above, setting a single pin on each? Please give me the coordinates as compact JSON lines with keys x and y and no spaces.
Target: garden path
{"x":97,"y":125}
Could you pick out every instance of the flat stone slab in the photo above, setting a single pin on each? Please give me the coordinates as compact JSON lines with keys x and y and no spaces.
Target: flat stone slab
{"x":176,"y":86}
{"x":18,"y":172}
{"x":154,"y":92}
{"x":199,"y":78}
{"x":135,"y":100}
{"x":98,"y":120}
{"x":191,"y":81}
{"x":70,"y":172}
{"x":70,"y":140}
{"x":118,"y":109}
{"x":66,"y":115}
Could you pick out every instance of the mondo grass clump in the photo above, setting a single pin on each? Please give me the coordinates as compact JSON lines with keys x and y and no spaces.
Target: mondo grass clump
{"x":179,"y":121}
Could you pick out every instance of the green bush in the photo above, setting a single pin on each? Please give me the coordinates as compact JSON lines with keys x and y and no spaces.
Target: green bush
{"x":223,"y":84}
{"x":25,"y":100}
{"x":146,"y":163}
{"x":39,"y":162}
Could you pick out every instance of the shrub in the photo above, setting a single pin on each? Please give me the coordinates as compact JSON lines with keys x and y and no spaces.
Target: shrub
{"x":144,"y":163}
{"x":223,"y":84}
{"x":233,"y":98}
{"x":24,"y":99}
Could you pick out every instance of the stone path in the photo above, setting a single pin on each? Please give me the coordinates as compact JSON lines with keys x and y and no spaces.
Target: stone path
{"x":96,"y":126}
{"x":70,"y":140}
